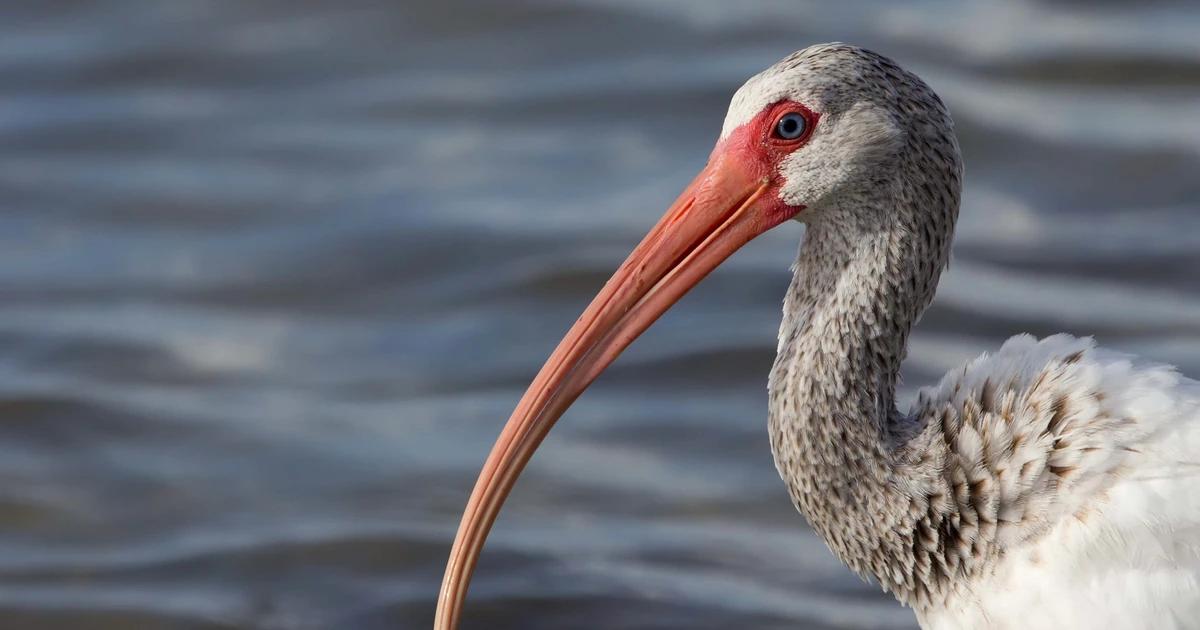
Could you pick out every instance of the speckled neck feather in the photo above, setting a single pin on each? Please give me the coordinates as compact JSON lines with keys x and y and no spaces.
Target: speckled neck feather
{"x":868,"y":480}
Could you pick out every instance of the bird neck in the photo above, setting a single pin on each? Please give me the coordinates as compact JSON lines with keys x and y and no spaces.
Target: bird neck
{"x":861,"y":281}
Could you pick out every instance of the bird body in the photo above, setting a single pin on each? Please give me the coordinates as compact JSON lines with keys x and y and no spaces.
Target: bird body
{"x":1093,"y":455}
{"x":1049,"y":485}
{"x":1065,"y":496}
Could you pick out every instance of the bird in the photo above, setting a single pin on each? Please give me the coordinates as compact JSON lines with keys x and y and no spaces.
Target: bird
{"x":1049,"y":484}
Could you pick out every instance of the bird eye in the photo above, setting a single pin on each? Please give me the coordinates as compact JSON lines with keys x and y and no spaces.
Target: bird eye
{"x":790,"y":126}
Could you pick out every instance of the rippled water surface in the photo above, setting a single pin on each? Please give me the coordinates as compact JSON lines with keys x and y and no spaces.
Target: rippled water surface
{"x":274,"y":273}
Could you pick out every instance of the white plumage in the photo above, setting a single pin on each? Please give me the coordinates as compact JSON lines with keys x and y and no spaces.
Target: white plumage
{"x":1119,"y":541}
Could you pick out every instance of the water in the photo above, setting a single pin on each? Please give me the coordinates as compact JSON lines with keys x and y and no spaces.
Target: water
{"x":273,"y":274}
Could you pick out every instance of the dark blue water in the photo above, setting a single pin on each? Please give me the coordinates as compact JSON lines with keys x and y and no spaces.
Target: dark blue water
{"x":273,"y":274}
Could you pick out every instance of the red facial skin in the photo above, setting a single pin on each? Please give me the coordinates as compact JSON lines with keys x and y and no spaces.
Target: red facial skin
{"x":734,"y":199}
{"x":757,"y":144}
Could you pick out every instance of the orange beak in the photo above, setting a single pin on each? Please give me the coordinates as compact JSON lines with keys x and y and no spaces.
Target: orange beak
{"x":721,"y":210}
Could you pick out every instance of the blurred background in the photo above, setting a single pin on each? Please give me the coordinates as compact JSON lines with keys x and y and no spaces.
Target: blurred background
{"x":273,"y":274}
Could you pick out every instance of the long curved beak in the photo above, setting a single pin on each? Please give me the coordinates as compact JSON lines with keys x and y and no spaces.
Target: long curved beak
{"x":721,"y":210}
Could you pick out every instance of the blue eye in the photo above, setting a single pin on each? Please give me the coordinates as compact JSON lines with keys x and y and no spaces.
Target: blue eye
{"x":790,"y":126}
